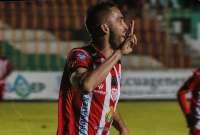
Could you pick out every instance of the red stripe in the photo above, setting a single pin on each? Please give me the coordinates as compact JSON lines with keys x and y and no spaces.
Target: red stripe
{"x":107,"y":122}
{"x":117,"y":68}
{"x":96,"y":109}
{"x":66,"y":116}
{"x":60,"y":118}
{"x":112,"y":103}
{"x":77,"y":104}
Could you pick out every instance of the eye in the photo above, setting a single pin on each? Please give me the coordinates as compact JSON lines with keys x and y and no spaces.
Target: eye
{"x":122,"y":20}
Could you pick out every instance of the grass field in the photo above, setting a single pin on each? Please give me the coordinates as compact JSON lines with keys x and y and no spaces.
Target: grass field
{"x":142,"y":118}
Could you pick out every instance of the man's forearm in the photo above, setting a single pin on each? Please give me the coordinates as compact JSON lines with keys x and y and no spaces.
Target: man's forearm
{"x":118,"y":122}
{"x":93,"y":78}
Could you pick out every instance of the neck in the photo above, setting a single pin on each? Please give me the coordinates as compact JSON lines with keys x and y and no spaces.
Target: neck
{"x":104,"y":47}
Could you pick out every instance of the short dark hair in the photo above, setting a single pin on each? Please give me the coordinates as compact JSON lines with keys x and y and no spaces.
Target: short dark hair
{"x":95,"y":14}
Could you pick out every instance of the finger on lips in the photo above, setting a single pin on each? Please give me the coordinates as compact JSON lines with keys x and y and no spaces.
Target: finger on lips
{"x":132,"y":27}
{"x":135,"y":39}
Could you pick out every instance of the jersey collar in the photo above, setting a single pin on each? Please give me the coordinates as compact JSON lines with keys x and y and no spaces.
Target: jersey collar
{"x":98,"y":51}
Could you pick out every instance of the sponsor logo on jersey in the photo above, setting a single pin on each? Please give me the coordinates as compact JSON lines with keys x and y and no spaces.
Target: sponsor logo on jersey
{"x":83,"y":116}
{"x":99,"y":89}
{"x":99,"y":92}
{"x":114,"y":94}
{"x":81,"y":56}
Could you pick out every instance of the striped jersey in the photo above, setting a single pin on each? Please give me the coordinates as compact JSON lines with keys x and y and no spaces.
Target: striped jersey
{"x":192,"y":85}
{"x":87,"y":114}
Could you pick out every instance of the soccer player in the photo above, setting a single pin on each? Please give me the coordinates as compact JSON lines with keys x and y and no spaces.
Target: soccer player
{"x":90,"y":86}
{"x":5,"y":70}
{"x":191,"y":109}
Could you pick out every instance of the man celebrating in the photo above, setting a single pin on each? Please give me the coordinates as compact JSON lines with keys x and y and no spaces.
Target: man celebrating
{"x":90,"y":85}
{"x":191,"y":110}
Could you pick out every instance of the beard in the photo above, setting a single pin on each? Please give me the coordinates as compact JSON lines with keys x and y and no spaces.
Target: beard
{"x":115,"y":41}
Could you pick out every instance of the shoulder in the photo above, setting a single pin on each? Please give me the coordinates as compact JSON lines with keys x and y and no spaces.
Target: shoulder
{"x":80,"y":52}
{"x":79,"y":57}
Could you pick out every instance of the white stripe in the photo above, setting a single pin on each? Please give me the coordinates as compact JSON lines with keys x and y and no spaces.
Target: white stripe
{"x":106,"y":107}
{"x":120,"y":71}
{"x":118,"y":81}
{"x":84,"y":114}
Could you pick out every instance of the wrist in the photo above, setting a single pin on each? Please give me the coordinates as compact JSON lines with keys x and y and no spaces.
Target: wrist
{"x":118,"y":53}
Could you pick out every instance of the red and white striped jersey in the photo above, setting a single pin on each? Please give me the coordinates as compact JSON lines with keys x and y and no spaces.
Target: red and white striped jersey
{"x":87,"y":114}
{"x":194,"y":86}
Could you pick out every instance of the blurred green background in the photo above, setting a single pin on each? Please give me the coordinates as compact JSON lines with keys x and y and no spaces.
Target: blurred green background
{"x":142,"y":118}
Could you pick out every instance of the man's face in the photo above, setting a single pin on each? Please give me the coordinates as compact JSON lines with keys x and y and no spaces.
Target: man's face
{"x":118,"y":28}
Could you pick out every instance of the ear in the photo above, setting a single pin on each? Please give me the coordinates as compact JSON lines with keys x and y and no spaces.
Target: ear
{"x":105,"y":29}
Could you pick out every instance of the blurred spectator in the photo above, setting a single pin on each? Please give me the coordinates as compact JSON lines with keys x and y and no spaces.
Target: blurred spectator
{"x":5,"y":69}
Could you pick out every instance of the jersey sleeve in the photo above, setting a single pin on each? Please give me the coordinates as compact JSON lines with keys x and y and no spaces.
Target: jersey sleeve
{"x":78,"y":58}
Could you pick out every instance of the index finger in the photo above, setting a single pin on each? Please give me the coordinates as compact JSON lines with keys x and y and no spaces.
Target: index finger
{"x":132,"y":27}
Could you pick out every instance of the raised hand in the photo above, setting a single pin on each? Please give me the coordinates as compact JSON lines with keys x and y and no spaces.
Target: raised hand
{"x":130,"y":40}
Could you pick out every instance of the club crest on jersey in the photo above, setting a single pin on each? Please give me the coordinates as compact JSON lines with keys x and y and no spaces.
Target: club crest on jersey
{"x":81,"y":56}
{"x":114,"y":94}
{"x":84,"y":115}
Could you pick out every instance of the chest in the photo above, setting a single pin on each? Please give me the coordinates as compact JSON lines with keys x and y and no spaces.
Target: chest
{"x":110,"y":87}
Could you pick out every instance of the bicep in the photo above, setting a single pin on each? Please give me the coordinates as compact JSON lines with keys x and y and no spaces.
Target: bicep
{"x":77,"y":77}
